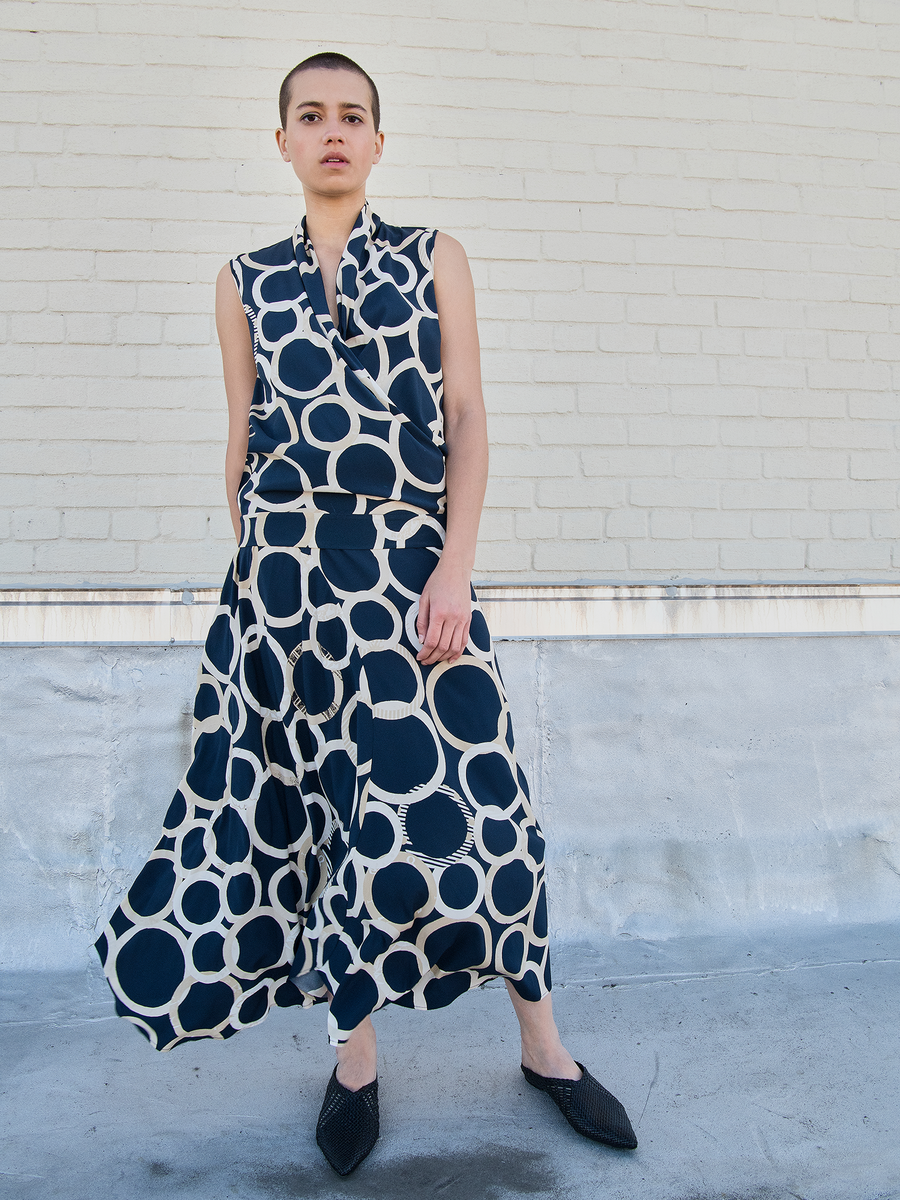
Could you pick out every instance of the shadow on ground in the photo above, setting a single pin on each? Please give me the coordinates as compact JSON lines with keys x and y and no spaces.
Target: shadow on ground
{"x":485,"y":1173}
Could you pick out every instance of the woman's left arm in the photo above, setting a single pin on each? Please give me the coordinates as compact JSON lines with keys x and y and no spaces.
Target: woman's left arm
{"x":445,"y":609}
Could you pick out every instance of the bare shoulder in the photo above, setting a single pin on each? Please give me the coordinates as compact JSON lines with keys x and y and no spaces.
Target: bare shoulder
{"x":449,"y":256}
{"x":225,"y":281}
{"x":454,"y":289}
{"x":228,"y":302}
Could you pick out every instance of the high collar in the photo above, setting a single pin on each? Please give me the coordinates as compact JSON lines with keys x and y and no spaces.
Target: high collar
{"x":352,"y":265}
{"x":359,"y":234}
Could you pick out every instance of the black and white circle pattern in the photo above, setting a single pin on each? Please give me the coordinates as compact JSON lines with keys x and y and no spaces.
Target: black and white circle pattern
{"x":350,"y":410}
{"x":347,"y":812}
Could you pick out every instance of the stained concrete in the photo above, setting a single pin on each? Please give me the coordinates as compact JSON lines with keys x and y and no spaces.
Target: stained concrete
{"x":717,"y":785}
{"x":688,"y":788}
{"x":745,"y":1082}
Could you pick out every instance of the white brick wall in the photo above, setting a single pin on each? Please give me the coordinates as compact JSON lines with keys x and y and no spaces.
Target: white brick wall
{"x":683,"y":220}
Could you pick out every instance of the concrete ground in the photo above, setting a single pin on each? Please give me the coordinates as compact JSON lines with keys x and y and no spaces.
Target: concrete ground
{"x":768,"y":1072}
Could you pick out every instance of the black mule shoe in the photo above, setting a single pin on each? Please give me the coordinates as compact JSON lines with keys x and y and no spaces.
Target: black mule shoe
{"x":348,"y":1124}
{"x":589,"y":1108}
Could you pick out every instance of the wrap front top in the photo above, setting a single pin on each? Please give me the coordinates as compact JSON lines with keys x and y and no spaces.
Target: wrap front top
{"x":345,"y":418}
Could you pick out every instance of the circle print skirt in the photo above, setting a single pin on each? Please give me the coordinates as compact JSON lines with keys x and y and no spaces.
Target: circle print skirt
{"x":352,"y":823}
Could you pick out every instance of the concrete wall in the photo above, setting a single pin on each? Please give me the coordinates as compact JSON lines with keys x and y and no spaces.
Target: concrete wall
{"x":682,"y":221}
{"x":688,"y":787}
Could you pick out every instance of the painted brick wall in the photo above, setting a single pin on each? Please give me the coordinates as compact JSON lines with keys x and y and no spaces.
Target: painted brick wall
{"x":683,"y":225}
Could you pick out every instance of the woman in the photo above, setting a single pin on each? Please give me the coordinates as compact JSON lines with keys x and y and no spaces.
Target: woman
{"x":353,"y":828}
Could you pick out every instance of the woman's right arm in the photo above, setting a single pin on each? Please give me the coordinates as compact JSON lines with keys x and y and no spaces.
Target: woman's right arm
{"x":239,"y":368}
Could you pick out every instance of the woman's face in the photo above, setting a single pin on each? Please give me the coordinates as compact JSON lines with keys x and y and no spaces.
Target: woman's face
{"x":329,"y":137}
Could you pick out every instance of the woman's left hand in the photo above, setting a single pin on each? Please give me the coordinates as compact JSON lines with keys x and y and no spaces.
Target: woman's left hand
{"x":445,"y":613}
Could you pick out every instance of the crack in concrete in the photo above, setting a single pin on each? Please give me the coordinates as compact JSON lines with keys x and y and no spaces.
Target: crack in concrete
{"x":53,"y":1023}
{"x":690,"y":976}
{"x":651,"y":1087}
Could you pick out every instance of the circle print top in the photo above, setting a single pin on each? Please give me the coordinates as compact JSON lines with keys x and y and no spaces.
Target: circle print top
{"x":344,"y":417}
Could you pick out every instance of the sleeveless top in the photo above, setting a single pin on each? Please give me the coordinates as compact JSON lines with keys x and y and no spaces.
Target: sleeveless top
{"x":345,"y":419}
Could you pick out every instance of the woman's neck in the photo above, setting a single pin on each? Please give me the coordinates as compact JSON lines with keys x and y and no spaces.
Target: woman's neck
{"x":329,"y":223}
{"x":330,"y":220}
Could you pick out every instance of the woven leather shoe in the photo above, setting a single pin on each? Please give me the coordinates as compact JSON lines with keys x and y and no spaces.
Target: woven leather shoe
{"x":348,"y":1124}
{"x":589,"y":1108}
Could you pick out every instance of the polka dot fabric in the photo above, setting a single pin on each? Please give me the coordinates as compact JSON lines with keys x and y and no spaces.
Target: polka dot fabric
{"x":351,"y":822}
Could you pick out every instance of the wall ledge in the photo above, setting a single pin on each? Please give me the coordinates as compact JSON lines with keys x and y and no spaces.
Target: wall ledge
{"x":181,"y":616}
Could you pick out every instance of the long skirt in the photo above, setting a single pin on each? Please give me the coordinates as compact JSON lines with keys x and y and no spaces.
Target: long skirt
{"x":352,"y":823}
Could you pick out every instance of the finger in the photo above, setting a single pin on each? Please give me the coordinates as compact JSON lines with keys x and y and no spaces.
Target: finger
{"x":459,"y":643}
{"x":431,"y":642}
{"x":461,"y":638}
{"x":438,"y":654}
{"x":467,"y":624}
{"x":422,"y":617}
{"x":442,"y":648}
{"x":454,"y":648}
{"x":453,"y":642}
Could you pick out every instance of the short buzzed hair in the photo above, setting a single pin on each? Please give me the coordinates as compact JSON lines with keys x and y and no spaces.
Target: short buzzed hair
{"x":328,"y":60}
